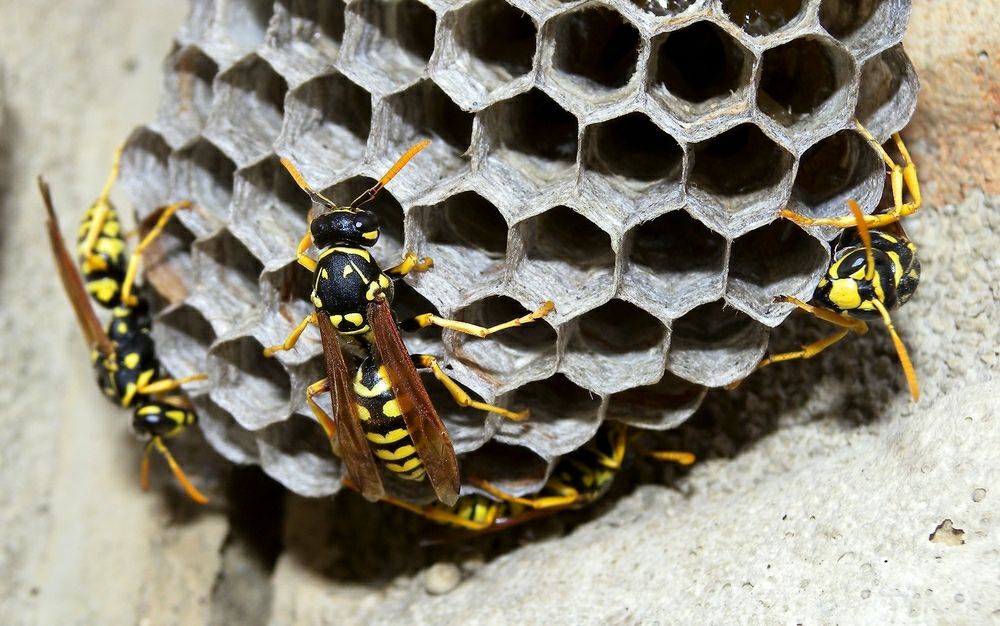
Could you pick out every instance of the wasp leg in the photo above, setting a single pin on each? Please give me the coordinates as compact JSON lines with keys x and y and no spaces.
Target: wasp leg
{"x":670,"y":456}
{"x":101,"y":209}
{"x":293,"y":337}
{"x":318,"y":387}
{"x":439,"y":514}
{"x":429,"y":319}
{"x":567,"y":495}
{"x":808,"y":351}
{"x":168,"y":384}
{"x":899,"y":176}
{"x":300,"y":252}
{"x":461,"y":397}
{"x":191,"y":490}
{"x":133,"y":262}
{"x":410,"y":263}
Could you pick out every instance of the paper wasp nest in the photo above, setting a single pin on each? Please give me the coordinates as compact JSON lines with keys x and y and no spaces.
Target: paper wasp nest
{"x":625,"y":159}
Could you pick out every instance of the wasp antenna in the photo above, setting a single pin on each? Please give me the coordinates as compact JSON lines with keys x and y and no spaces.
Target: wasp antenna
{"x":904,"y":356}
{"x":866,"y":239}
{"x":401,"y":162}
{"x":303,"y":185}
{"x":182,"y":478}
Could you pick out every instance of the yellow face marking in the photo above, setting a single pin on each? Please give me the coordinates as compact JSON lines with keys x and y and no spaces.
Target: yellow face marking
{"x":356,"y":319}
{"x":390,"y":437}
{"x":131,"y":360}
{"x":348,"y":269}
{"x":370,"y":235}
{"x":391,"y":409}
{"x":844,"y":294}
{"x":401,"y":452}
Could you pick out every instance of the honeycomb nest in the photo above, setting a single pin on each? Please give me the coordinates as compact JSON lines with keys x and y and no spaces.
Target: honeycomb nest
{"x":625,"y":159}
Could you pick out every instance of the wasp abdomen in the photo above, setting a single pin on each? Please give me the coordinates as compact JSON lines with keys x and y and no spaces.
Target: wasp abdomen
{"x":383,"y":423}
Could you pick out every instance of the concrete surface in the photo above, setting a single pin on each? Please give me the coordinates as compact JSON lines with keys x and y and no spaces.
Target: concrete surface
{"x":818,"y":492}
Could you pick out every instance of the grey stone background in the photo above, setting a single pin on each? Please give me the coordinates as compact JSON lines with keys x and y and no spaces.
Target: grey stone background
{"x":818,"y":487}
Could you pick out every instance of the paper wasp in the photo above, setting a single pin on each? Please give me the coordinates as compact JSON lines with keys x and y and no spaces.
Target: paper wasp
{"x":578,"y":479}
{"x":123,"y":355}
{"x":383,"y":410}
{"x":873,"y":271}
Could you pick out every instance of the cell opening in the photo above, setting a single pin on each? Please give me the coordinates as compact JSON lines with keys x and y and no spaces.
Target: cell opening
{"x":761,"y":18}
{"x":776,"y":258}
{"x":797,"y":78}
{"x":145,"y":159}
{"x":739,"y":161}
{"x":555,"y":399}
{"x":408,"y":302}
{"x":246,"y":22}
{"x":404,"y":36}
{"x":271,"y":180}
{"x":256,"y":102}
{"x":562,"y":235}
{"x":206,"y":177}
{"x":700,"y":62}
{"x":389,"y":248}
{"x":677,"y":244}
{"x":335,"y":116}
{"x":270,"y":385}
{"x":466,"y":220}
{"x":843,"y":18}
{"x":634,"y":148}
{"x":290,"y":286}
{"x":189,"y":336}
{"x":663,"y":404}
{"x":167,"y":265}
{"x":617,"y":328}
{"x":318,"y":24}
{"x":497,"y":34}
{"x":511,"y":467}
{"x":882,"y":79}
{"x":189,"y":80}
{"x":664,"y":7}
{"x":232,"y":269}
{"x":596,"y":44}
{"x":709,"y":325}
{"x":832,"y":169}
{"x":537,"y":337}
{"x":534,"y":126}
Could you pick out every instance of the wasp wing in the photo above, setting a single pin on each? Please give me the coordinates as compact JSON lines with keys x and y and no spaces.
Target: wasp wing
{"x":429,"y":435}
{"x":72,"y":283}
{"x":353,"y":446}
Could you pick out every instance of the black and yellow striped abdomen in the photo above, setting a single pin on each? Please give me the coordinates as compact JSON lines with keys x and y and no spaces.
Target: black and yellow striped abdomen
{"x":383,"y":422}
{"x":104,"y":267}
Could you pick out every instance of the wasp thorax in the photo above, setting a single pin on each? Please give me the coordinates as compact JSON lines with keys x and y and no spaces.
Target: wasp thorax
{"x":354,"y":227}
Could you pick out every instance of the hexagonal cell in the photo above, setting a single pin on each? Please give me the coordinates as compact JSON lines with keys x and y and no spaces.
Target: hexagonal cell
{"x":532,"y":139}
{"x":190,"y":335}
{"x":514,"y":469}
{"x":201,"y":173}
{"x":888,"y":93}
{"x":284,"y":302}
{"x":389,"y":249}
{"x":833,"y":170}
{"x":167,"y":264}
{"x":566,"y":258}
{"x":674,"y":264}
{"x":408,"y":302}
{"x":467,"y":238}
{"x":804,"y":79}
{"x":761,"y":18}
{"x":244,"y":23}
{"x":664,"y":7}
{"x":187,"y":85}
{"x":777,"y":259}
{"x":614,"y":347}
{"x":297,"y":452}
{"x":228,"y":275}
{"x":269,"y":210}
{"x":665,"y":404}
{"x":865,"y":26}
{"x":143,"y":168}
{"x":327,"y":111}
{"x":714,"y":345}
{"x":248,"y":110}
{"x":491,"y":44}
{"x":510,"y":357}
{"x":633,"y":158}
{"x":304,"y":37}
{"x":735,"y":176}
{"x":387,"y":44}
{"x":423,"y":111}
{"x":564,"y":416}
{"x":253,"y":389}
{"x":596,"y":50}
{"x":698,"y":69}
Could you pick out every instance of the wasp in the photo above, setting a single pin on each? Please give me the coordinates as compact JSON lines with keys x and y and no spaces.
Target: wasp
{"x":874,"y":269}
{"x":123,"y":354}
{"x":578,"y":479}
{"x":382,"y":411}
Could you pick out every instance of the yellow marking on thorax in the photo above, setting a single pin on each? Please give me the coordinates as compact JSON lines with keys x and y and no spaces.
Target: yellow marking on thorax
{"x":384,"y":281}
{"x":149,"y":409}
{"x":390,"y":437}
{"x":315,"y":300}
{"x":373,"y":289}
{"x":399,"y":453}
{"x":178,"y":416}
{"x":324,"y":274}
{"x":131,"y":360}
{"x":348,"y":269}
{"x":361,"y":252}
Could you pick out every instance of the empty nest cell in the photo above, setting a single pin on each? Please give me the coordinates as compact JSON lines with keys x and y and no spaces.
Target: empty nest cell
{"x":662,"y":405}
{"x":664,"y":7}
{"x":888,"y":92}
{"x":696,"y":68}
{"x":423,"y":111}
{"x":514,"y":469}
{"x":248,"y":111}
{"x":799,"y":80}
{"x":244,"y":23}
{"x":284,"y":302}
{"x":387,"y":44}
{"x":566,"y":258}
{"x":564,"y":416}
{"x":253,"y":389}
{"x":505,"y":359}
{"x":227,"y":275}
{"x":865,"y":25}
{"x":761,"y":17}
{"x":269,"y":210}
{"x":187,"y":79}
{"x":167,"y":263}
{"x":596,"y":50}
{"x":318,"y":26}
{"x":777,"y":259}
{"x":674,"y":263}
{"x":715,"y":345}
{"x":203,"y":174}
{"x":144,"y":167}
{"x":840,"y":167}
{"x":615,"y":346}
{"x":328,"y":122}
{"x":495,"y":41}
{"x":297,"y":451}
{"x":189,"y":334}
